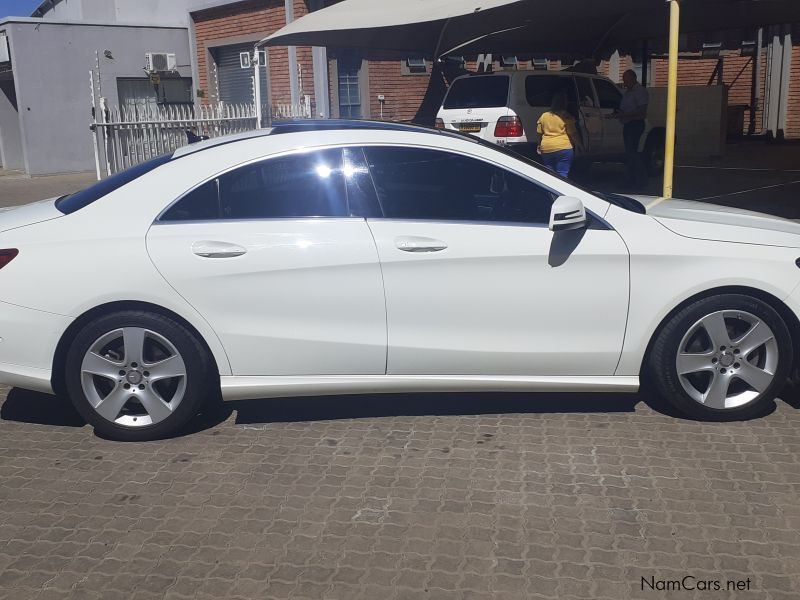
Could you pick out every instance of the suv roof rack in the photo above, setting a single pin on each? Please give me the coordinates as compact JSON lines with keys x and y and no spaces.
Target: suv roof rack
{"x":301,"y":125}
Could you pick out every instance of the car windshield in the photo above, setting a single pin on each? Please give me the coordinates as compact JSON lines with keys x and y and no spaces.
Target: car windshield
{"x":78,"y":200}
{"x":478,"y":92}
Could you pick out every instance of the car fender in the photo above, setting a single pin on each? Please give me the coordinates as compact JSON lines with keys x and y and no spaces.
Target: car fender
{"x":667,"y":270}
{"x":81,"y":274}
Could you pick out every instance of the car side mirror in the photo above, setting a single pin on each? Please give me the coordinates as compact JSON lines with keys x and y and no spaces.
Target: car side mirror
{"x":567,"y":213}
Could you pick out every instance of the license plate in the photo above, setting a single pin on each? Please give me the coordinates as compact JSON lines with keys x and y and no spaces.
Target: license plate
{"x":469,"y":127}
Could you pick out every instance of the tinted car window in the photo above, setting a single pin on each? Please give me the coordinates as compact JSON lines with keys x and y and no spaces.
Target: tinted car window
{"x":608,"y":94}
{"x":424,"y":184}
{"x":202,"y":204}
{"x":78,"y":200}
{"x":478,"y":92}
{"x":301,"y":185}
{"x":539,"y":89}
{"x":586,"y":92}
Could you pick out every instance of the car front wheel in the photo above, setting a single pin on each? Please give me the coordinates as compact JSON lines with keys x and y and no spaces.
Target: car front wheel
{"x":137,"y":376}
{"x":722,"y":358}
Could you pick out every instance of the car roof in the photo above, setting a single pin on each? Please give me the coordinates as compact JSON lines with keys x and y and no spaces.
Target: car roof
{"x":309,"y":125}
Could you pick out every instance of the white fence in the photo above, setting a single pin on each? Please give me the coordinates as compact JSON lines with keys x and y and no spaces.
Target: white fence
{"x":128,"y":136}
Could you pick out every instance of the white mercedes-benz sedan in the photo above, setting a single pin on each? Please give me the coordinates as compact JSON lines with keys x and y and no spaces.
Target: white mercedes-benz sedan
{"x":358,"y":257}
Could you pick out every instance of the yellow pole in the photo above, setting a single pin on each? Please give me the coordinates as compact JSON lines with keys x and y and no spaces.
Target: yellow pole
{"x":672,"y":96}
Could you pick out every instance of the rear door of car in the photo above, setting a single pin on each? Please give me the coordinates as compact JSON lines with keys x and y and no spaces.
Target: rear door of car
{"x":592,"y":116}
{"x":609,"y":97}
{"x":539,"y":89}
{"x":274,"y":259}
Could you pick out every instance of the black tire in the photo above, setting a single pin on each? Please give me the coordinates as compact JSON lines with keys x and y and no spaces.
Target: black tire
{"x":199,"y":379}
{"x":581,"y":168}
{"x":663,"y":371}
{"x":653,"y":155}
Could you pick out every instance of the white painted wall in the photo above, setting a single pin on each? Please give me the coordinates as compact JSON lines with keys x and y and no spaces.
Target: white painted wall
{"x":164,"y":12}
{"x":51,"y":75}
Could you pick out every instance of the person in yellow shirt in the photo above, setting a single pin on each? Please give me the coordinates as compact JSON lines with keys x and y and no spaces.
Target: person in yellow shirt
{"x":559,"y":136}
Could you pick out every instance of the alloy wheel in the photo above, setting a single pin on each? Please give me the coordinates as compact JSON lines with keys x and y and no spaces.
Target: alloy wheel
{"x":133,"y":376}
{"x":727,"y":359}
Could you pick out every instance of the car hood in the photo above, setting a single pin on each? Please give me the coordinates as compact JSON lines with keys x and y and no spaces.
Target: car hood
{"x":704,"y":221}
{"x":14,"y":217}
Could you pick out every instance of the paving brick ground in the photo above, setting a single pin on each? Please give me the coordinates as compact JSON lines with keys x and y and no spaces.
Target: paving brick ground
{"x":391,"y":497}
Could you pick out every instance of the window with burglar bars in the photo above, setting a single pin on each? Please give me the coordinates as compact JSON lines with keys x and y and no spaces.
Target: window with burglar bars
{"x":349,"y":68}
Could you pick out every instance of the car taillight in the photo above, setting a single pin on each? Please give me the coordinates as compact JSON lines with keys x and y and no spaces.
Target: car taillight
{"x":7,"y":255}
{"x":439,"y":123}
{"x":508,"y":127}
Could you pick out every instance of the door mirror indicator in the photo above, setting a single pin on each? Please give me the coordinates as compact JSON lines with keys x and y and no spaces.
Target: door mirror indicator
{"x":567,"y":213}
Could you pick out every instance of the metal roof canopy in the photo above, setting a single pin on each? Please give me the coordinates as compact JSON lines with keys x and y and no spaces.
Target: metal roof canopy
{"x":436,"y":28}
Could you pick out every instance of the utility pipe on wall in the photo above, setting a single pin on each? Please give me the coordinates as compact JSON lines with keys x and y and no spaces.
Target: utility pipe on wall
{"x":755,"y":92}
{"x":257,"y":85}
{"x":294,"y":89}
{"x":672,"y":96}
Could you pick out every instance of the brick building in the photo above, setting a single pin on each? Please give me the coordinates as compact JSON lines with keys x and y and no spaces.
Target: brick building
{"x":392,"y":86}
{"x":340,"y":82}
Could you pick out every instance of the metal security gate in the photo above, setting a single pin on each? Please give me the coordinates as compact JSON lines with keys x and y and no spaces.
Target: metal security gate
{"x":127,"y":137}
{"x":124,"y":137}
{"x":234,"y":73}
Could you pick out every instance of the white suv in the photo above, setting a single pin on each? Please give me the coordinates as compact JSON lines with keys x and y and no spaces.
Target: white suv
{"x":504,"y":108}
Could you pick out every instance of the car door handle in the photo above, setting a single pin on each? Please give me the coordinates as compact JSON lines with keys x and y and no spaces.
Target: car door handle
{"x":413,"y":243}
{"x":212,"y":249}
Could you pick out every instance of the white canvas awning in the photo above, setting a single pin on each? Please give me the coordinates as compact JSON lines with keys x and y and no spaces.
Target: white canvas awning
{"x":423,"y":26}
{"x":438,"y":27}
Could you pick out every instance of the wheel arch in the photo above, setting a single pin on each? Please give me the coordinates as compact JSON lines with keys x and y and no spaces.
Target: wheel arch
{"x":60,"y":355}
{"x":788,"y":316}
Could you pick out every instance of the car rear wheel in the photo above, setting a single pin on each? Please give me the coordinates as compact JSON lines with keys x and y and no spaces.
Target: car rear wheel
{"x":722,"y":358}
{"x":137,"y":375}
{"x":653,"y":155}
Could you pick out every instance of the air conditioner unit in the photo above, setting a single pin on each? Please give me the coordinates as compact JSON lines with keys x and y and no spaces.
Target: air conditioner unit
{"x":712,"y":50}
{"x":160,"y":61}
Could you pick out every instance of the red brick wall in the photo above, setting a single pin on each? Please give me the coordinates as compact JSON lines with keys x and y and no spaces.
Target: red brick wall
{"x":404,"y":93}
{"x":257,"y":18}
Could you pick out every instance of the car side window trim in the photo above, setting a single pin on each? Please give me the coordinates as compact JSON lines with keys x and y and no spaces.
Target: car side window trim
{"x":361,"y":147}
{"x":254,"y":220}
{"x":600,"y":222}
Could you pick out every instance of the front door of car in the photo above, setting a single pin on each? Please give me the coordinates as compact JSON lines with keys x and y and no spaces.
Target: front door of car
{"x":271,"y":258}
{"x":591,"y":115}
{"x":609,"y":97}
{"x":475,"y":281}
